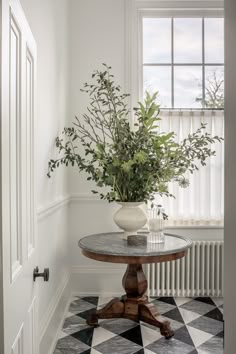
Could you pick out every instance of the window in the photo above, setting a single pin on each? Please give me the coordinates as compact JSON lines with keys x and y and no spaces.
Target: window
{"x":179,"y":51}
{"x":180,"y":54}
{"x":183,"y":59}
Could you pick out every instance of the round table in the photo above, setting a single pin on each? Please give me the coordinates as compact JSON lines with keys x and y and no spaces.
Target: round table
{"x":113,"y":247}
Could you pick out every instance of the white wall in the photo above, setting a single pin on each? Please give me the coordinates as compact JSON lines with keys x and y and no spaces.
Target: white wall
{"x":48,"y":20}
{"x":98,"y":35}
{"x":230,"y":173}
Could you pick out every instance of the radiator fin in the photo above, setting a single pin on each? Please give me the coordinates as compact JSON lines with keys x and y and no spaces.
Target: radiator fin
{"x":199,"y":273}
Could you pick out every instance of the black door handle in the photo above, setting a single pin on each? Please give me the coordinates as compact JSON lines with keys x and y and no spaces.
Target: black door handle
{"x":44,"y":275}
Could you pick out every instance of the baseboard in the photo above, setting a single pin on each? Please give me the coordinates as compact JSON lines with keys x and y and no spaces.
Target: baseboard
{"x":107,"y":294}
{"x":53,"y":318}
{"x":97,"y":281}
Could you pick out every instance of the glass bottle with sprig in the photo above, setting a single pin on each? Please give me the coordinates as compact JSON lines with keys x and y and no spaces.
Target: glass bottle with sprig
{"x":156,"y":221}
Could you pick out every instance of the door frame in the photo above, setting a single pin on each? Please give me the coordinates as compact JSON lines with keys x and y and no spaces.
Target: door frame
{"x":1,"y":234}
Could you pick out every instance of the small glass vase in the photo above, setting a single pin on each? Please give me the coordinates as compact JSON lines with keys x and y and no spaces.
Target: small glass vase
{"x":156,"y":225}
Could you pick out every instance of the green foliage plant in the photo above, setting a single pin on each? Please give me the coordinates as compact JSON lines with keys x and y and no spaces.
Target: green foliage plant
{"x":134,"y":162}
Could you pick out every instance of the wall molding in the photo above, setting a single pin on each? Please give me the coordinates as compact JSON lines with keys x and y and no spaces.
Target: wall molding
{"x":81,"y":197}
{"x":61,"y":202}
{"x":52,"y":207}
{"x":64,"y":201}
{"x":51,"y":322}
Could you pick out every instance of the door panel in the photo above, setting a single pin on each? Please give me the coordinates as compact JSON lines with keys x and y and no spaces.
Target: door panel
{"x":29,"y":90}
{"x":20,"y":256}
{"x":15,"y":49}
{"x":18,"y":345}
{"x":31,"y":327}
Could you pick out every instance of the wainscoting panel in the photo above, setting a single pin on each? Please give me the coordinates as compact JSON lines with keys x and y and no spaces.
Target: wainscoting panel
{"x":53,"y":248}
{"x":18,"y":345}
{"x":51,"y":322}
{"x":200,"y":273}
{"x":105,"y":281}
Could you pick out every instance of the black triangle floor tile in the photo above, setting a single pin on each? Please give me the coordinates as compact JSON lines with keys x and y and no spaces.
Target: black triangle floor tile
{"x":86,"y":351}
{"x":174,"y":315}
{"x":141,"y":351}
{"x":134,"y":335}
{"x":85,"y":336}
{"x":215,"y":314}
{"x":169,"y":300}
{"x":221,"y":334}
{"x":206,"y":300}
{"x":194,"y":352}
{"x":91,"y":299}
{"x":182,"y":334}
{"x":86,"y":314}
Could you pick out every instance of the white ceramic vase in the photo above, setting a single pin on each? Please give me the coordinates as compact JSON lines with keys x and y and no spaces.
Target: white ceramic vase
{"x":130,"y":217}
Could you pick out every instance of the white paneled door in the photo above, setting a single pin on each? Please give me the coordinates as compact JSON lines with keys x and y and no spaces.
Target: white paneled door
{"x":18,"y":81}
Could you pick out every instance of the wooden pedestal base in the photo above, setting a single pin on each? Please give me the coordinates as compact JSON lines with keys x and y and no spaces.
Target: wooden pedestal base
{"x":134,"y":305}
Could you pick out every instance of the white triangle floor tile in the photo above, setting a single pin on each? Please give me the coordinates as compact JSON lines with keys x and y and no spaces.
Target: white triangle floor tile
{"x":102,"y":300}
{"x":101,"y":335}
{"x":61,"y":334}
{"x":74,"y":297}
{"x":94,"y":351}
{"x":187,"y":315}
{"x":218,"y":300}
{"x":182,"y":300}
{"x":149,"y":335}
{"x":200,"y":351}
{"x":221,"y":310}
{"x":198,"y":337}
{"x":69,"y":314}
{"x":146,"y":351}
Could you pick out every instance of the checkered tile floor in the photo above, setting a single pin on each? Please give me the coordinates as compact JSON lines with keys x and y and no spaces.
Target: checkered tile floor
{"x":197,"y":322}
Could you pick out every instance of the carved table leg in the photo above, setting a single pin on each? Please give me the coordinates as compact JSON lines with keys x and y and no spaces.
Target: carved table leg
{"x":114,"y":309}
{"x":134,"y":305}
{"x":148,"y":313}
{"x":134,"y":281}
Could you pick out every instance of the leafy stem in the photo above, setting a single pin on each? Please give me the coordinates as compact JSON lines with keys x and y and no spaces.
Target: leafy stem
{"x":135,"y":164}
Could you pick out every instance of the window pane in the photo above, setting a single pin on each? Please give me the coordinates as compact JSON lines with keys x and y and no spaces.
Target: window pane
{"x":156,"y":40}
{"x":187,"y":40}
{"x":214,"y":87}
{"x":188,"y":86}
{"x":158,"y":79}
{"x":214,"y":40}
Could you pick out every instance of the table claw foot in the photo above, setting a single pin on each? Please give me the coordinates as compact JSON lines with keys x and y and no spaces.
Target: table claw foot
{"x":114,"y":309}
{"x":149,"y":314}
{"x":93,"y":320}
{"x":166,"y":330}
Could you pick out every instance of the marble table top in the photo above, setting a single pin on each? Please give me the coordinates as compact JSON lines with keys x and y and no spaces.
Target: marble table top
{"x":115,"y":244}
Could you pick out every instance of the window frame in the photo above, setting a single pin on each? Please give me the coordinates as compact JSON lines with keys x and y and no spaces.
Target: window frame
{"x":172,"y":64}
{"x":136,"y":10}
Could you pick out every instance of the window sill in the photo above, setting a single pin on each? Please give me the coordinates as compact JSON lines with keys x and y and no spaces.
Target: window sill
{"x":186,"y":227}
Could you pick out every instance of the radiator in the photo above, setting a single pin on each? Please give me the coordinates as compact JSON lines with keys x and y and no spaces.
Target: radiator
{"x":199,"y":273}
